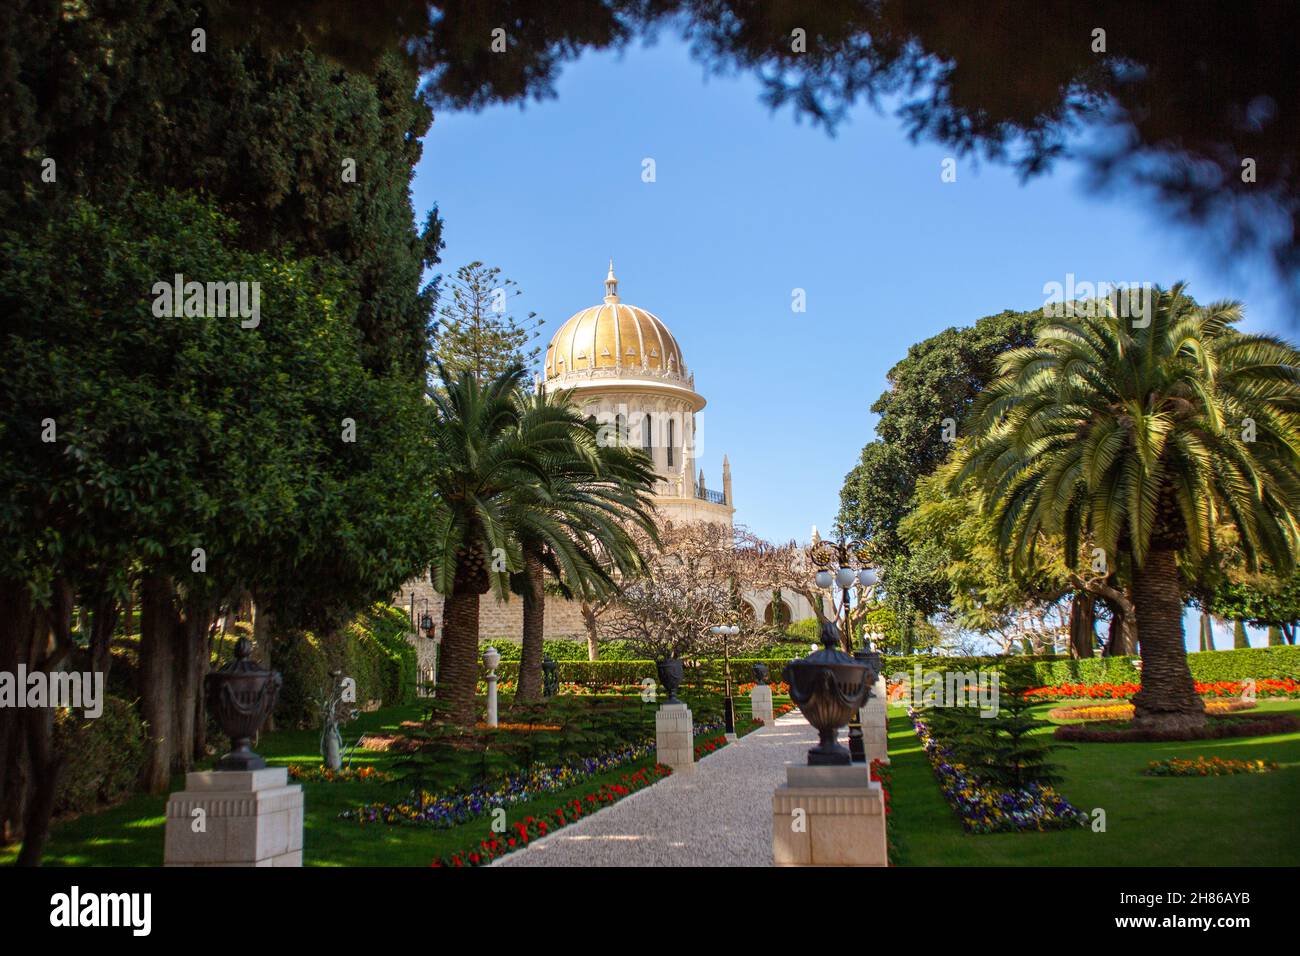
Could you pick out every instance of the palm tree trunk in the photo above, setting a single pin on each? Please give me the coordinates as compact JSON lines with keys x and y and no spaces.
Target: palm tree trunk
{"x":1167,"y":701}
{"x":458,"y":673}
{"x":530,"y":663}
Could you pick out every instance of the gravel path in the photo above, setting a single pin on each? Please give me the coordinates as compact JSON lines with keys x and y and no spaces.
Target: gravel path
{"x":720,"y":815}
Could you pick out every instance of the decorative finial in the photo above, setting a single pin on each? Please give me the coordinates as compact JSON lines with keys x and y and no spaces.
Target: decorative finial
{"x":611,"y":284}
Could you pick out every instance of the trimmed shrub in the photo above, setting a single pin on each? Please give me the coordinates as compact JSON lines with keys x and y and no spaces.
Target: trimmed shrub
{"x":372,"y":650}
{"x":803,"y":633}
{"x":303,"y":666}
{"x":398,"y":662}
{"x":102,"y":757}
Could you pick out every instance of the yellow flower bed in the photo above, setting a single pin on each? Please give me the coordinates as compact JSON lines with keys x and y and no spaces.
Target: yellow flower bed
{"x":1124,"y":711}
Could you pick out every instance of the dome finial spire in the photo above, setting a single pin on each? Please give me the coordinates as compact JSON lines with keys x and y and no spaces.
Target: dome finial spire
{"x":611,"y":283}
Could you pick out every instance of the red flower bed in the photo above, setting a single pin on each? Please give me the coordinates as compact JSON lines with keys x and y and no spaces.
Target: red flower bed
{"x":705,"y":747}
{"x":1264,"y":687}
{"x":1091,"y":691}
{"x":532,"y":828}
{"x":880,"y":774}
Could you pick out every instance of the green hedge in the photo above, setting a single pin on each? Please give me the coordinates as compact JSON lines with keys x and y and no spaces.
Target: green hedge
{"x":1256,"y":662}
{"x":1206,"y":666}
{"x":561,"y":649}
{"x":102,"y":756}
{"x":372,"y":650}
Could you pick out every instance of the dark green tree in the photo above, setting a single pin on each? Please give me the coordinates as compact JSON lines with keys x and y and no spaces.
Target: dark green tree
{"x":211,"y":454}
{"x":1259,"y":600}
{"x":475,"y":331}
{"x":931,"y":393}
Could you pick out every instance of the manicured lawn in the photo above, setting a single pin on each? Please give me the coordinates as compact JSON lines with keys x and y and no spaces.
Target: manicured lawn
{"x":131,"y":834}
{"x":1245,"y":820}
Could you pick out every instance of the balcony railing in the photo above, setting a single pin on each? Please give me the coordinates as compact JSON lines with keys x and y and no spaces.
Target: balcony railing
{"x":706,"y":494}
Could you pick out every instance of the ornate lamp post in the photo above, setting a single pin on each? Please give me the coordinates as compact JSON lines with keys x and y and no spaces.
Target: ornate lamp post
{"x":426,"y":625}
{"x":491,"y":658}
{"x":846,"y":565}
{"x":728,"y":707}
{"x":870,"y":657}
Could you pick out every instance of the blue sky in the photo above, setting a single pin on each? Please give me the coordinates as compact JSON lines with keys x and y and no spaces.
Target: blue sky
{"x":749,"y":205}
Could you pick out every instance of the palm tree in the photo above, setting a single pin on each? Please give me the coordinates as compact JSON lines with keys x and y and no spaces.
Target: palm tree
{"x":1138,"y":437}
{"x":511,"y":500}
{"x":578,"y":526}
{"x":486,"y":466}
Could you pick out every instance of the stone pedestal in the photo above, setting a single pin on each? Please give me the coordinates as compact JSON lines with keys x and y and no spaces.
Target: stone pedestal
{"x":675,"y":737}
{"x":760,"y":700}
{"x":875,"y":724}
{"x":828,"y":816}
{"x":248,"y":818}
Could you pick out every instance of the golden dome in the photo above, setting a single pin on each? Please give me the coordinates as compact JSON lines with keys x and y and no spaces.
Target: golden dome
{"x":613,"y":339}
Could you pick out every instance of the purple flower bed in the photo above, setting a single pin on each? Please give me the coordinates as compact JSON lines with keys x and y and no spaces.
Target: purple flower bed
{"x":459,"y":806}
{"x":985,"y":809}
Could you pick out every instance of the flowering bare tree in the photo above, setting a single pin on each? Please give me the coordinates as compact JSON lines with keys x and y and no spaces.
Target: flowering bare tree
{"x":695,"y":582}
{"x":786,"y":567}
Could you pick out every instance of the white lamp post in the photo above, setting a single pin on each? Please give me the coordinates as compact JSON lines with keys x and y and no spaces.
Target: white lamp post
{"x":728,"y":709}
{"x":491,"y":658}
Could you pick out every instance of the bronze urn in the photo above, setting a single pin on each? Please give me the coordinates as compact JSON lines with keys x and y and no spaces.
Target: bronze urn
{"x":829,"y":686}
{"x":240,"y":697}
{"x":872,"y":658}
{"x":670,"y":675}
{"x":550,"y":676}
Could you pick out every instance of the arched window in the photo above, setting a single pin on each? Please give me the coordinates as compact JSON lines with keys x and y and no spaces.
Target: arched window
{"x":647,"y":437}
{"x":672,"y":437}
{"x":778,"y":613}
{"x":620,"y":429}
